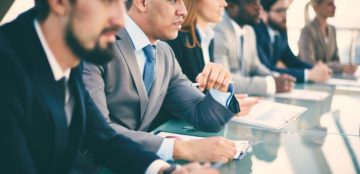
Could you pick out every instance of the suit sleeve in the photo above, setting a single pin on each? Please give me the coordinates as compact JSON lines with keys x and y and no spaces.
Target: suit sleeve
{"x":298,"y":73}
{"x":187,"y":102}
{"x":95,"y":83}
{"x":14,"y":91}
{"x":251,"y":85}
{"x":114,"y":150}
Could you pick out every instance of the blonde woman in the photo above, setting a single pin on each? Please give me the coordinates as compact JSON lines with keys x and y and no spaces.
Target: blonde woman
{"x":318,"y":38}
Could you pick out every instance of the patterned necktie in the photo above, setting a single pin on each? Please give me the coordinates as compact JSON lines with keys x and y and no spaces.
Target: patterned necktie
{"x":149,"y":69}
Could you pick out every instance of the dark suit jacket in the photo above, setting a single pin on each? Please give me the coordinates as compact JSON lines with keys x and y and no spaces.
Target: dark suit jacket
{"x":281,"y":51}
{"x":34,"y":135}
{"x":191,"y":60}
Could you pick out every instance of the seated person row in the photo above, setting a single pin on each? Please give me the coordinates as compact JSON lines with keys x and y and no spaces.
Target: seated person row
{"x":144,"y":77}
{"x":193,"y":47}
{"x":273,"y":47}
{"x":235,"y":49}
{"x":46,"y":112}
{"x":318,"y":38}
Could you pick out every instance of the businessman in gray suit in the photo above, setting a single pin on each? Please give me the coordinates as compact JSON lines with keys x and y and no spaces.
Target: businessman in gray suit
{"x":144,"y":76}
{"x":235,"y":49}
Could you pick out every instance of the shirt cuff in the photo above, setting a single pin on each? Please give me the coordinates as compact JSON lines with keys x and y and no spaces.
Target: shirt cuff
{"x":223,"y":98}
{"x":155,"y":167}
{"x":166,"y":149}
{"x":306,"y":75}
{"x":270,"y":85}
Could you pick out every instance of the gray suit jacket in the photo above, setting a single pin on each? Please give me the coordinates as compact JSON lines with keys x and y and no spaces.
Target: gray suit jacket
{"x":313,"y":48}
{"x":251,"y":79}
{"x":118,"y":90}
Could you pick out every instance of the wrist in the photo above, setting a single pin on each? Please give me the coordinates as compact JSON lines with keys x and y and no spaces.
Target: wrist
{"x":180,"y":150}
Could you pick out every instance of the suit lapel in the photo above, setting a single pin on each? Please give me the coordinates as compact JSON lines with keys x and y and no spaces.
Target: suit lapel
{"x":126,"y":49}
{"x":322,"y":46}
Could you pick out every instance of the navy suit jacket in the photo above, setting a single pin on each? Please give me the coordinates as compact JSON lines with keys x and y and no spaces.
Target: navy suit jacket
{"x":34,"y":135}
{"x":191,"y":60}
{"x":281,"y":51}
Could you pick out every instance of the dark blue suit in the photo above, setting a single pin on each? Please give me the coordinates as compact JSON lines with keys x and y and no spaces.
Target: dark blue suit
{"x":270,"y":54}
{"x":34,"y":135}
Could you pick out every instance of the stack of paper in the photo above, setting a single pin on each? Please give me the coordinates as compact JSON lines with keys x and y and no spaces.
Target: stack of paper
{"x":304,"y":95}
{"x":343,"y":82}
{"x":271,"y":115}
{"x":241,"y":146}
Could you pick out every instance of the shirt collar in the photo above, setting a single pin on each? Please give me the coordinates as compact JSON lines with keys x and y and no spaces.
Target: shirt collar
{"x":208,"y":34}
{"x":54,"y":64}
{"x":138,"y":37}
{"x":239,"y":31}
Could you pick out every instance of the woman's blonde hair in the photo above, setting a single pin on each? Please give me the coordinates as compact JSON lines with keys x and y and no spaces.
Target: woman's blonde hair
{"x":312,"y":3}
{"x":189,"y":24}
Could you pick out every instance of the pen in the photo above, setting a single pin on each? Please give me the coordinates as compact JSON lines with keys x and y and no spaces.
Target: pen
{"x":197,"y":84}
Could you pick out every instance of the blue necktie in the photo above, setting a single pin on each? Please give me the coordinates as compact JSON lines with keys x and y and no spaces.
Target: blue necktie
{"x":149,"y":69}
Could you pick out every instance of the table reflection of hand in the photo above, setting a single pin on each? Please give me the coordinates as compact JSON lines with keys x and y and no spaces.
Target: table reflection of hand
{"x":246,"y":103}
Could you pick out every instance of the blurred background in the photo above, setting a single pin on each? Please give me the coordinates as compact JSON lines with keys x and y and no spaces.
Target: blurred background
{"x":346,"y":20}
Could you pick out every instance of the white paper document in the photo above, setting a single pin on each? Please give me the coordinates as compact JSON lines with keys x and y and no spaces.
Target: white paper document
{"x":270,"y":115}
{"x":304,"y":95}
{"x":242,"y":146}
{"x":343,"y":82}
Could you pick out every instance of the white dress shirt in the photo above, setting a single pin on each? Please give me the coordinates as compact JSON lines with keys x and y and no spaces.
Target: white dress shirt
{"x":57,"y":72}
{"x":206,"y":37}
{"x":272,"y":34}
{"x":241,"y":31}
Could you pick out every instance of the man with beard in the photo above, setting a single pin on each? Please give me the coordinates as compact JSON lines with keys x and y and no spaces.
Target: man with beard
{"x":235,"y":49}
{"x":144,"y":77}
{"x":274,"y":50}
{"x":46,"y":113}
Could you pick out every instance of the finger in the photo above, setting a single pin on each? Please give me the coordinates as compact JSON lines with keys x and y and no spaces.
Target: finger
{"x":225,"y":85}
{"x":220,"y":80}
{"x":213,"y":77}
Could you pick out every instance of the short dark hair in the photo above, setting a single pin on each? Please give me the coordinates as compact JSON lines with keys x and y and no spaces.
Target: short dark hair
{"x":267,"y":4}
{"x":42,"y":9}
{"x":128,"y":4}
{"x":233,"y":1}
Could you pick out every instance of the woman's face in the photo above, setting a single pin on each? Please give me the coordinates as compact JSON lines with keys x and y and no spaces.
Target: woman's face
{"x":326,"y":8}
{"x":211,"y":10}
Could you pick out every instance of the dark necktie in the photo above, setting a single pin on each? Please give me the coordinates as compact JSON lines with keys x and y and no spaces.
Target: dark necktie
{"x":242,"y":54}
{"x":274,"y":46}
{"x":62,"y":89}
{"x":149,"y":69}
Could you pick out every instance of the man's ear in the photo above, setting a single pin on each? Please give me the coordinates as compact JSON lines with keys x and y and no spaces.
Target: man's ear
{"x":139,"y":5}
{"x":59,"y":7}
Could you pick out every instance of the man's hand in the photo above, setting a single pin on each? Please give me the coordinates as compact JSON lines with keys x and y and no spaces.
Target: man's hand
{"x":246,"y":103}
{"x":213,"y":149}
{"x":284,"y":83}
{"x":214,"y":76}
{"x":320,"y":73}
{"x":350,"y":69}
